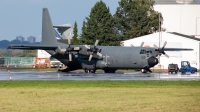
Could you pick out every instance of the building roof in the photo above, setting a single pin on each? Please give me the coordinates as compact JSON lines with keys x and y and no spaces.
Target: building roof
{"x":177,"y":2}
{"x":155,"y":36}
{"x":186,"y":36}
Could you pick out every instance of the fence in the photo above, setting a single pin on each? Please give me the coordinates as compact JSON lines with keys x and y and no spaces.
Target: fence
{"x":16,"y":61}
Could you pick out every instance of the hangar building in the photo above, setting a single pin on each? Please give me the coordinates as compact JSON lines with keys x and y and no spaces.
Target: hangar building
{"x":174,"y":40}
{"x":182,"y":16}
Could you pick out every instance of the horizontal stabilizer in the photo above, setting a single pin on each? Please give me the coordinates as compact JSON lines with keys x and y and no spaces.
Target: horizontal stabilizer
{"x":65,"y":30}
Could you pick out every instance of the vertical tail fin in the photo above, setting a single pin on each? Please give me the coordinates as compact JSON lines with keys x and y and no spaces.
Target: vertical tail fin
{"x":48,"y":34}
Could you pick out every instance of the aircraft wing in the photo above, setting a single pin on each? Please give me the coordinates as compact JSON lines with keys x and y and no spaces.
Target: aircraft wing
{"x":177,"y":49}
{"x":32,"y":47}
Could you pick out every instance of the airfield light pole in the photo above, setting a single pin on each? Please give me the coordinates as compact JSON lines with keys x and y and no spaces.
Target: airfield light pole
{"x":159,"y":34}
{"x":196,"y":24}
{"x":159,"y":29}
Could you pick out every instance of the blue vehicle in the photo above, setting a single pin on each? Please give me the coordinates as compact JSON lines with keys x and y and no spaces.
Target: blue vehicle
{"x":185,"y":67}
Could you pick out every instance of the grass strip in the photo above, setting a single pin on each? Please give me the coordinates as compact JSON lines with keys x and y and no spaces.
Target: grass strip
{"x":99,"y":96}
{"x":98,"y":83}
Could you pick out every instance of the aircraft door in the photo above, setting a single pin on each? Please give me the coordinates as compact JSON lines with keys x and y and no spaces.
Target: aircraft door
{"x":143,"y":57}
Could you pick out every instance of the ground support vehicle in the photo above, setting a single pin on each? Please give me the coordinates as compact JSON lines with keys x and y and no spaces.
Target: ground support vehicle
{"x":173,"y":68}
{"x":185,"y":67}
{"x":54,"y":63}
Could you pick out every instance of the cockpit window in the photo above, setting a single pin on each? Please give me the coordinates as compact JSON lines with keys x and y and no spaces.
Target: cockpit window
{"x":143,"y":51}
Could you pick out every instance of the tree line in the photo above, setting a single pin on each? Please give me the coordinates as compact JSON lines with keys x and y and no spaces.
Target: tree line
{"x":133,"y":18}
{"x":4,"y":52}
{"x":4,"y":43}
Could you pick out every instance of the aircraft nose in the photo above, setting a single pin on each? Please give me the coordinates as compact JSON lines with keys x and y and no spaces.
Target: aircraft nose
{"x":152,"y":61}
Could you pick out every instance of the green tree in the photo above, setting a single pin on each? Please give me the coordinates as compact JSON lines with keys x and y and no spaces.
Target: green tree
{"x":99,"y":25}
{"x":135,"y":18}
{"x":84,"y":34}
{"x":75,"y":36}
{"x":28,"y":53}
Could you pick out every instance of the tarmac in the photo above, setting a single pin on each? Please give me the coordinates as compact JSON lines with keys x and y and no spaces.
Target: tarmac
{"x":13,"y":75}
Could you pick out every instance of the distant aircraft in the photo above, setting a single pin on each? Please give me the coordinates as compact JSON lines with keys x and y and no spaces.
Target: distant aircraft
{"x":91,"y":58}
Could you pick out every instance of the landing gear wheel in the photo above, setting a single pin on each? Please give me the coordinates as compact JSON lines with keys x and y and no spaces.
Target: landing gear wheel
{"x":93,"y":71}
{"x":143,"y":71}
{"x":87,"y":71}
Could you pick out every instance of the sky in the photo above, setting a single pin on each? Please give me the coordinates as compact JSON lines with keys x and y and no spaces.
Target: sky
{"x":24,"y":17}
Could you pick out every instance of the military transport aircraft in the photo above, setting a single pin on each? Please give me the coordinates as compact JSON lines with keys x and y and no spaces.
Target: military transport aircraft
{"x":90,"y":58}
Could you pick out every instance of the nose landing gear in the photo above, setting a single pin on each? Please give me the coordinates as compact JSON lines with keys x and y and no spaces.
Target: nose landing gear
{"x":145,"y":70}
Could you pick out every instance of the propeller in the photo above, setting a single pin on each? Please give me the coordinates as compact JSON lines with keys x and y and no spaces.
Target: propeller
{"x":142,"y":44}
{"x":67,"y":50}
{"x":94,"y":50}
{"x":60,"y":50}
{"x":161,"y":50}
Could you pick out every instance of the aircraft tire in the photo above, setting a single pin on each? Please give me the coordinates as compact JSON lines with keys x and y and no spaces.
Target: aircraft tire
{"x":143,"y":71}
{"x":93,"y":71}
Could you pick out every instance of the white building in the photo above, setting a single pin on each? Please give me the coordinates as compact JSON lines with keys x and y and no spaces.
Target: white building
{"x":174,"y":40}
{"x":182,"y":16}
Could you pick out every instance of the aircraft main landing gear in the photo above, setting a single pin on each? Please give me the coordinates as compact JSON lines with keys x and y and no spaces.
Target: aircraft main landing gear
{"x":90,"y":71}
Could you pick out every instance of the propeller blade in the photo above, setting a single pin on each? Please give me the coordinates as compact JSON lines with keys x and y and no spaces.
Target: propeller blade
{"x":69,"y":40}
{"x":99,"y":54}
{"x":155,"y":46}
{"x":164,"y":44}
{"x":58,"y":50}
{"x":90,"y":57}
{"x":166,"y":55}
{"x":97,"y":41}
{"x":70,"y":57}
{"x":87,"y":46}
{"x":142,"y":44}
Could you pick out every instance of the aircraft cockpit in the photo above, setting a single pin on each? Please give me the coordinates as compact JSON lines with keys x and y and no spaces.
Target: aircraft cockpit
{"x":143,"y":51}
{"x":148,"y":52}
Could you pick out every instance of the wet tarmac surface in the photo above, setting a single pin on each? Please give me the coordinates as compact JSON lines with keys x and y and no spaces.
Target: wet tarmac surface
{"x":5,"y":75}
